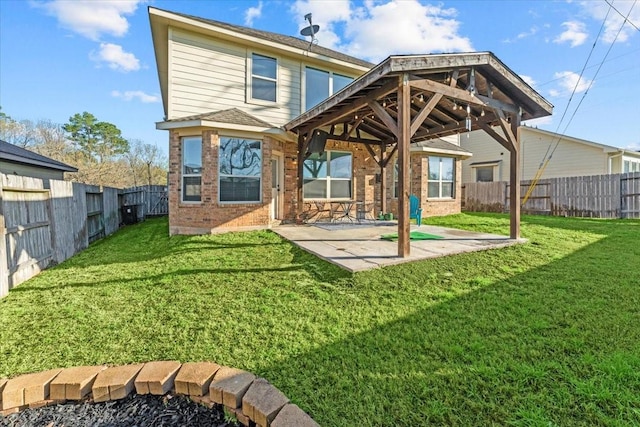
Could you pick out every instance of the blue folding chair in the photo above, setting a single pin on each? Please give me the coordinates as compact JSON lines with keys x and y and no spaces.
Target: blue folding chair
{"x":415,"y":211}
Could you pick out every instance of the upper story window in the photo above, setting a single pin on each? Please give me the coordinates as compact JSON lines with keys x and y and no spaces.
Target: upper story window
{"x":264,"y":78}
{"x":240,"y":167}
{"x":328,"y":175}
{"x":191,"y":168}
{"x":441,"y":177}
{"x":319,"y":85}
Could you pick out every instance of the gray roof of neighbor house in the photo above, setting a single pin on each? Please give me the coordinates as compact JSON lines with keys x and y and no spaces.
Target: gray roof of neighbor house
{"x":15,"y":154}
{"x":231,"y":116}
{"x":280,"y":38}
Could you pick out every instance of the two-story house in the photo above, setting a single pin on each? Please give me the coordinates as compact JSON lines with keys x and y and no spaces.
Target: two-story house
{"x":264,"y":126}
{"x":227,"y":91}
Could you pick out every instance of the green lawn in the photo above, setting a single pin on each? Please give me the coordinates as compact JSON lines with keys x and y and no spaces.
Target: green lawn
{"x":541,"y":334}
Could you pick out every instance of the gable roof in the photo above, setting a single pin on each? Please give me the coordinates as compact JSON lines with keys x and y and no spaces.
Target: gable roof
{"x":478,"y":80}
{"x":15,"y":154}
{"x":280,"y":39}
{"x":162,"y":20}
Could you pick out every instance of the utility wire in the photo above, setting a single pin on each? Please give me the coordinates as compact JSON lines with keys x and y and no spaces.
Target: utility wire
{"x":600,"y":67}
{"x":544,"y":163}
{"x":626,"y":18}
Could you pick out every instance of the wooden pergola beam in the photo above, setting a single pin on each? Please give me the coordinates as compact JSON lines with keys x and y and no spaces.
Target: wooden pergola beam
{"x":352,"y":108}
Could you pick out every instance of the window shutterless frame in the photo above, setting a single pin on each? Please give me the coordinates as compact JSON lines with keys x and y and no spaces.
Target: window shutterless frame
{"x":442,"y":178}
{"x":191,"y":169}
{"x":262,"y":79}
{"x":321,"y":84}
{"x":240,"y":170}
{"x":328,"y":176}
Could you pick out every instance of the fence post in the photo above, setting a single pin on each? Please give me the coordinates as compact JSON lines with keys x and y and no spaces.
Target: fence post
{"x":4,"y":267}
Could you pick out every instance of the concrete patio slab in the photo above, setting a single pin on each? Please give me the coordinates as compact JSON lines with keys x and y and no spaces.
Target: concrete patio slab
{"x":358,"y":247}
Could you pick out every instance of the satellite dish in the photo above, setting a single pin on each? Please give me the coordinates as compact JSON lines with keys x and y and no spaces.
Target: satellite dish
{"x":310,"y":31}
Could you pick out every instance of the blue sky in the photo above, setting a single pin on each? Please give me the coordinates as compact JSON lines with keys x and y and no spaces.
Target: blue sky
{"x":58,"y":58}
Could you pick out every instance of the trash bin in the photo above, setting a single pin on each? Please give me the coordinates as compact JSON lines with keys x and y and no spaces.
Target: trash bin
{"x":130,"y":214}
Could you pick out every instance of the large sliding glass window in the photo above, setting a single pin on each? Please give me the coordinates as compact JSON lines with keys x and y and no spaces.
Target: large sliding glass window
{"x":441,"y":177}
{"x":191,"y":169}
{"x":328,"y":175}
{"x":319,"y":85}
{"x":264,"y":78}
{"x":240,"y":170}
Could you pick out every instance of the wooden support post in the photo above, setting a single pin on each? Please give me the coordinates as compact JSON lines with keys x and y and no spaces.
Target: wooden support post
{"x":515,"y":179}
{"x":383,"y":178}
{"x":404,"y":135}
{"x":4,"y":267}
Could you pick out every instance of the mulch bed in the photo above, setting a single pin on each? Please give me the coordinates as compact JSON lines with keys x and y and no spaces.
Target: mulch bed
{"x":134,"y":410}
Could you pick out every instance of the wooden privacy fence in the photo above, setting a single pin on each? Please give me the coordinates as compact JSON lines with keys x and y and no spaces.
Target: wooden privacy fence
{"x":595,"y":196}
{"x":44,"y":222}
{"x":150,"y":200}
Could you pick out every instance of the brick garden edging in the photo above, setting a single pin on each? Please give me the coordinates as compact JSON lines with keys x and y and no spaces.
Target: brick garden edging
{"x":253,"y":400}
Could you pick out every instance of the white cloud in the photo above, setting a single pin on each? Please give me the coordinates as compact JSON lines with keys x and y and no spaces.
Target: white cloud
{"x":379,"y":29}
{"x":528,"y":80}
{"x":252,"y":13}
{"x":129,"y":95}
{"x":92,"y":18}
{"x":116,"y":58}
{"x":567,"y":81}
{"x":598,"y":11}
{"x":575,"y":33}
{"x":634,"y":146}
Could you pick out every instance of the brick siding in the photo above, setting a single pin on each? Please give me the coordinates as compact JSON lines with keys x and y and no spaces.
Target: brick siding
{"x":209,"y":215}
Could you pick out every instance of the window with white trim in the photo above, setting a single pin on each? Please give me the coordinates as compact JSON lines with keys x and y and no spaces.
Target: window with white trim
{"x":240,"y":170}
{"x":319,"y":85}
{"x":264,"y":78}
{"x":441,"y":177}
{"x":191,"y":168}
{"x":631,"y":166}
{"x":484,"y":173}
{"x":328,"y":176}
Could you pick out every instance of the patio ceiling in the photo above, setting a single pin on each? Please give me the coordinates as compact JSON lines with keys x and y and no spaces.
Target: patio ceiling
{"x":413,"y":98}
{"x":442,"y":86}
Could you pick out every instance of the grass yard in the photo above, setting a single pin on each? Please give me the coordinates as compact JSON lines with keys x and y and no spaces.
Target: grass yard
{"x":541,"y":334}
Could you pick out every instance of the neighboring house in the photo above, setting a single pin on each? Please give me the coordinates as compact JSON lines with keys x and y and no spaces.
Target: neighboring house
{"x":571,"y":157}
{"x":227,"y":91}
{"x":15,"y":160}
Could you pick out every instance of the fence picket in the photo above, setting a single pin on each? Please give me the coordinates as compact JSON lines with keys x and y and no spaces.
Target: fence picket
{"x":44,"y":222}
{"x":596,"y":196}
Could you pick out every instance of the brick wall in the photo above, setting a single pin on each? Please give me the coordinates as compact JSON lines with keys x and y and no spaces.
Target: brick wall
{"x":419,"y":186}
{"x":209,"y":215}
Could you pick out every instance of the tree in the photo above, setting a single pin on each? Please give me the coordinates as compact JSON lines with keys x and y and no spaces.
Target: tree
{"x":97,"y":140}
{"x":21,"y":133}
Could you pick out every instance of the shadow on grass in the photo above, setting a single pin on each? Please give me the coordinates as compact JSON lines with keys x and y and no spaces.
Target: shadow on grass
{"x":557,"y":345}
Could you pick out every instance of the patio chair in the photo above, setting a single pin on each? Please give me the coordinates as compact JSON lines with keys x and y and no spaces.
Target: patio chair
{"x":415,"y":211}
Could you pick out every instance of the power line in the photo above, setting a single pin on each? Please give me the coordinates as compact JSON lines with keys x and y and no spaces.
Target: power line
{"x":600,"y":67}
{"x":545,"y":160}
{"x":625,"y":17}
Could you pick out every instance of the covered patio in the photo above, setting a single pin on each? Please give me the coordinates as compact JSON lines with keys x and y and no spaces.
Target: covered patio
{"x":416,"y":98}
